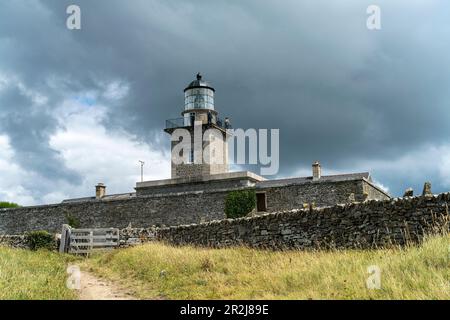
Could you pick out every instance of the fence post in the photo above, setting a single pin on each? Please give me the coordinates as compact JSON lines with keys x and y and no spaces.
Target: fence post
{"x":65,"y":239}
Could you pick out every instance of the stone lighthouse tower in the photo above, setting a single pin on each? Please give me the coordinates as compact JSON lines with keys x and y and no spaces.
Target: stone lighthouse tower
{"x":207,"y":148}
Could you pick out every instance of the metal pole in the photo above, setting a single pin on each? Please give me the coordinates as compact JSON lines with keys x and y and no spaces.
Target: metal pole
{"x":142,"y":170}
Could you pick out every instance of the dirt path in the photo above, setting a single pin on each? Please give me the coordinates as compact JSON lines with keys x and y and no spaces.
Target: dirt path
{"x":93,"y":288}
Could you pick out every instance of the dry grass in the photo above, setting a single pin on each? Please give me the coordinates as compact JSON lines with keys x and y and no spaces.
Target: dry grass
{"x":33,"y":275}
{"x":156,"y":270}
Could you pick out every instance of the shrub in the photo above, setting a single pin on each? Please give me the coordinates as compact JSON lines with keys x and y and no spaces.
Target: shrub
{"x":40,"y":240}
{"x":240,"y":203}
{"x":9,"y":205}
{"x":72,"y":221}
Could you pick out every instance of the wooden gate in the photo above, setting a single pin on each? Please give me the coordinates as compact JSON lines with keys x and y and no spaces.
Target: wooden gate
{"x":84,"y":241}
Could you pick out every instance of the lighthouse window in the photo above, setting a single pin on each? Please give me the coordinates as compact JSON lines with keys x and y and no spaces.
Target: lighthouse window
{"x":199,"y":98}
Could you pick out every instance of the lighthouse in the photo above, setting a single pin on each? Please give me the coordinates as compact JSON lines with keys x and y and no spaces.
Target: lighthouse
{"x":207,"y":149}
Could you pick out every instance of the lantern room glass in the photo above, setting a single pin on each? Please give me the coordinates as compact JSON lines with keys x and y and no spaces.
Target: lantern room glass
{"x":199,"y":98}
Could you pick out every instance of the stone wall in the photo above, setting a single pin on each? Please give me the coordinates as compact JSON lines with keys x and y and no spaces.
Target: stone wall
{"x":134,"y":236}
{"x":171,"y":209}
{"x":358,"y":225}
{"x":174,"y":209}
{"x":372,"y":224}
{"x":14,"y":241}
{"x":320,"y":193}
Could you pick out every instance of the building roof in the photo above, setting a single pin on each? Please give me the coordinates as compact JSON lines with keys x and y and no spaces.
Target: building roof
{"x":199,"y":83}
{"x":121,"y":196}
{"x":303,"y":180}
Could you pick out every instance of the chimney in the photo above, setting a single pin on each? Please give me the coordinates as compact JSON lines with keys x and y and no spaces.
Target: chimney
{"x":316,"y":170}
{"x":100,"y":191}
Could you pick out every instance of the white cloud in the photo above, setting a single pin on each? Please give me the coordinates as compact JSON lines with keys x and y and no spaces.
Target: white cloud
{"x":11,"y":176}
{"x":380,"y":185}
{"x":116,"y":90}
{"x":89,"y":149}
{"x":3,"y":81}
{"x":37,"y":98}
{"x":99,"y":155}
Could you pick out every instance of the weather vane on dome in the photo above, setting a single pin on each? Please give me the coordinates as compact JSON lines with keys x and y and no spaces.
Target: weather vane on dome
{"x":199,"y":76}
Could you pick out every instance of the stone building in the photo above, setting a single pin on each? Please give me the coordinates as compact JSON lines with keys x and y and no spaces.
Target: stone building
{"x":196,"y":191}
{"x":272,"y":195}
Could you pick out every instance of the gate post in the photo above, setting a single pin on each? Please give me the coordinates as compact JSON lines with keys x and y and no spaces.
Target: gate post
{"x":65,"y":239}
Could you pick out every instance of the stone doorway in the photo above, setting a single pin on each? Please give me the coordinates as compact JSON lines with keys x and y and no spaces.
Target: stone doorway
{"x":261,"y":202}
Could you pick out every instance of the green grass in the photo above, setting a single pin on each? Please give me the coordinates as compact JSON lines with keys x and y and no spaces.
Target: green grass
{"x":156,"y":270}
{"x":33,"y":275}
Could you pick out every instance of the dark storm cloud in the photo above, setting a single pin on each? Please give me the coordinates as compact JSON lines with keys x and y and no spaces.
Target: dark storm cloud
{"x":338,"y":92}
{"x":28,"y":129}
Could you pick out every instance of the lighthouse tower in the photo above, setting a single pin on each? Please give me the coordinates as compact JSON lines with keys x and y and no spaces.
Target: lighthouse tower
{"x":208,"y":152}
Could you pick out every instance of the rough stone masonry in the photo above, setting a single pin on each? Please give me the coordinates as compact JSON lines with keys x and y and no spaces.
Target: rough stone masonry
{"x":186,"y":203}
{"x":372,"y":224}
{"x":359,"y":225}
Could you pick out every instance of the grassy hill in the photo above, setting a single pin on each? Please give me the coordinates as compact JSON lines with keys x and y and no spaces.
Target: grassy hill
{"x":160,"y":271}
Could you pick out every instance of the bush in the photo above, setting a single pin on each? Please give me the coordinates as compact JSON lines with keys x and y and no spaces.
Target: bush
{"x":73,"y":221}
{"x":9,"y":205}
{"x":41,"y":240}
{"x":240,"y":203}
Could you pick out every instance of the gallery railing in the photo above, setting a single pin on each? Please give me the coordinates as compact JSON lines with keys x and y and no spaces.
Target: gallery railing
{"x":187,"y":122}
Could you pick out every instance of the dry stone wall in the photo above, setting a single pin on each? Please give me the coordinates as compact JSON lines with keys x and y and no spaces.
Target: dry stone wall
{"x":133,"y":236}
{"x":15,"y":241}
{"x":21,"y":241}
{"x":372,"y":224}
{"x":358,"y":225}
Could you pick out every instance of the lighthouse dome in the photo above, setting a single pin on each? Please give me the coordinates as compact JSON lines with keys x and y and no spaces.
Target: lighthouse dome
{"x":199,"y":83}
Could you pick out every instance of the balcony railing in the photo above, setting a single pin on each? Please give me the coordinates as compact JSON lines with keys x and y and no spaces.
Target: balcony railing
{"x":176,"y":123}
{"x":187,"y":122}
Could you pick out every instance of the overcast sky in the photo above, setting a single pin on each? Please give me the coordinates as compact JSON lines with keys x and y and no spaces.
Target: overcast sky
{"x":83,"y":106}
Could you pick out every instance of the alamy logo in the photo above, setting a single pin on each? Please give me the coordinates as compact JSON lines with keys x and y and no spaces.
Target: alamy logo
{"x":216,"y":147}
{"x":73,"y":22}
{"x":373,"y":282}
{"x":74,"y":280}
{"x":374,"y":20}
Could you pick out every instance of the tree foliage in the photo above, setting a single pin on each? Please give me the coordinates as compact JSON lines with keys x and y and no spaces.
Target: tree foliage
{"x":73,"y":221}
{"x":240,"y":203}
{"x":8,"y":205}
